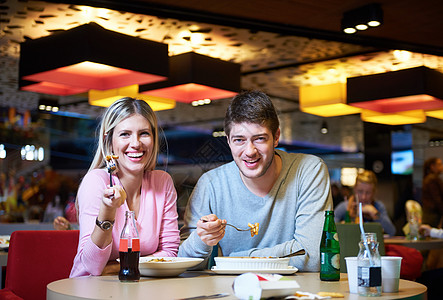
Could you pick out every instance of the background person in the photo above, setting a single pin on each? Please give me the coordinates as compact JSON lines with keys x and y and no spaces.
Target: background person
{"x":287,"y":194}
{"x":372,"y":210}
{"x":427,"y":230}
{"x":432,"y":192}
{"x":129,"y":130}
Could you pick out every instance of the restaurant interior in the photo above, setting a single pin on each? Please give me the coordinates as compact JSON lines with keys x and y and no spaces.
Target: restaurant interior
{"x":295,"y":51}
{"x":358,"y":96}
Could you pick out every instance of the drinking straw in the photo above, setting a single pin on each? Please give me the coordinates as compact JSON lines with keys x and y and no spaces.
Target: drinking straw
{"x":363,"y":235}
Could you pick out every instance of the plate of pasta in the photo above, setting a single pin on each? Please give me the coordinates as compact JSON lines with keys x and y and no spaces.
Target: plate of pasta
{"x":166,"y":266}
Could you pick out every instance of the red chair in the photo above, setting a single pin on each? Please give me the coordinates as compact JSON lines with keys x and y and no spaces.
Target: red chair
{"x":36,"y":258}
{"x":411,"y":263}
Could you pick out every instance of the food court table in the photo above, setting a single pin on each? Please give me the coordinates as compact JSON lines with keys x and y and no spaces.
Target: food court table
{"x":191,"y":284}
{"x":426,"y":244}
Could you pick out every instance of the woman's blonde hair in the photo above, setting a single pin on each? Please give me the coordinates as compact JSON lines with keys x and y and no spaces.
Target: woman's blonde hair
{"x":367,"y":176}
{"x":114,"y":114}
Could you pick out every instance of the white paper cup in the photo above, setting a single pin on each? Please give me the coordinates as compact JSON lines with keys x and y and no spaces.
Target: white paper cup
{"x":351,"y":267}
{"x":390,"y":273}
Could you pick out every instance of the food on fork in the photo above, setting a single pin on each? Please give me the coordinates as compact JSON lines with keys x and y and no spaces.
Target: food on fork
{"x":111,"y":166}
{"x":254,"y":228}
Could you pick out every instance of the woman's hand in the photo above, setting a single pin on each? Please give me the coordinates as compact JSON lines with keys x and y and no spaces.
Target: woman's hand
{"x":211,"y":229}
{"x":114,"y":197}
{"x":352,"y":207}
{"x":370,"y":212}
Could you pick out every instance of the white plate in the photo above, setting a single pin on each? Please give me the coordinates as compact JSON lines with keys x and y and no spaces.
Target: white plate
{"x":287,"y":271}
{"x":4,"y":241}
{"x":250,"y":263}
{"x":172,"y":266}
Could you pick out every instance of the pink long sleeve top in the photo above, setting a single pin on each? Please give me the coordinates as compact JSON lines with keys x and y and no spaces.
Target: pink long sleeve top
{"x":156,"y":222}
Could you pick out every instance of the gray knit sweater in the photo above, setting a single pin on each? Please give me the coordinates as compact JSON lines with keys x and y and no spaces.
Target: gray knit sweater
{"x":291,"y":216}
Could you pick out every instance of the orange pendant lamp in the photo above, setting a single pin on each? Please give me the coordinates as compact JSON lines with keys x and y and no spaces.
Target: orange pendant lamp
{"x":417,"y":88}
{"x":326,"y":100}
{"x":90,"y":57}
{"x":107,"y":97}
{"x":399,"y":118}
{"x":194,"y":77}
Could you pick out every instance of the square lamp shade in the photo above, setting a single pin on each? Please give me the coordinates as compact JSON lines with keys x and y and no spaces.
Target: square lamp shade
{"x":106,"y":98}
{"x":397,"y":91}
{"x":438,"y":113}
{"x":400,"y":118}
{"x":90,"y":57}
{"x":194,"y":77}
{"x":326,"y":100}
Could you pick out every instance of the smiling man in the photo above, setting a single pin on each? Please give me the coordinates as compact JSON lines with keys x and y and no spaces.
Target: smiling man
{"x":285,"y":193}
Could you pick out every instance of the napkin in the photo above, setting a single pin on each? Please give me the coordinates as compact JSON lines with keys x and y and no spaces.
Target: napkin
{"x":255,"y":286}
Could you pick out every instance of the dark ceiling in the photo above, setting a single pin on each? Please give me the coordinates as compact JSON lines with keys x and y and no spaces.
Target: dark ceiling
{"x":414,"y":25}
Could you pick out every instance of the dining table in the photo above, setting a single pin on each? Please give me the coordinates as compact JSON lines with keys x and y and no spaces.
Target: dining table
{"x":202,"y":285}
{"x":420,"y":244}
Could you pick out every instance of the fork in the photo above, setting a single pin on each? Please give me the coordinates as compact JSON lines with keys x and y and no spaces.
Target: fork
{"x":236,"y":228}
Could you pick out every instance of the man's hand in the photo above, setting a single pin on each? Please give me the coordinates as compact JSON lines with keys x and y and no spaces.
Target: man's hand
{"x":211,"y":229}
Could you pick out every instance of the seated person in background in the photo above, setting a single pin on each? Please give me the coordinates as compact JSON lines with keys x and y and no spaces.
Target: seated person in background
{"x":427,"y":230}
{"x":432,"y":192}
{"x":434,"y":259}
{"x":286,"y":193}
{"x":128,"y":130}
{"x":373,"y":210}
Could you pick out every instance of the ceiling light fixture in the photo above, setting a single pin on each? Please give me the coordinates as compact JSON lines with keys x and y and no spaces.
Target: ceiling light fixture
{"x":399,"y":118}
{"x":362,"y":18}
{"x":326,"y":100}
{"x":324,"y":127}
{"x":194,"y":77}
{"x":106,"y":98}
{"x":397,"y":91}
{"x":89,"y":57}
{"x":46,"y":105}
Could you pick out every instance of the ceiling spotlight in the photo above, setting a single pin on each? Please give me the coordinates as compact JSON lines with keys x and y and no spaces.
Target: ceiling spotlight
{"x":324,"y":128}
{"x":48,"y":105}
{"x":361,"y":27}
{"x":362,"y":18}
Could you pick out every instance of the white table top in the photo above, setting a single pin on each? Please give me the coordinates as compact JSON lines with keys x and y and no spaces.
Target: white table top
{"x":192,"y":284}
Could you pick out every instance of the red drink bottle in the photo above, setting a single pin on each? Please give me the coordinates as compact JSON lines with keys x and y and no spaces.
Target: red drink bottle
{"x":129,"y":250}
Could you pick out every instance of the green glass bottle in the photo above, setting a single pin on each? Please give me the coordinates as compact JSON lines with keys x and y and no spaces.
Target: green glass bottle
{"x":329,"y":250}
{"x":347,"y":217}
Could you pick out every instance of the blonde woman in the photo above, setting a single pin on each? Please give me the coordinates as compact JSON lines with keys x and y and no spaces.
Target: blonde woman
{"x":128,"y":130}
{"x":373,"y":210}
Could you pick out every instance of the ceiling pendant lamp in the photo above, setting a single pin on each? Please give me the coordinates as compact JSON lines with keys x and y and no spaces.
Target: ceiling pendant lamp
{"x":438,"y":114}
{"x":397,"y":91}
{"x":194,"y":77}
{"x":90,"y":57}
{"x":326,"y":100}
{"x":400,"y":118}
{"x":106,"y":98}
